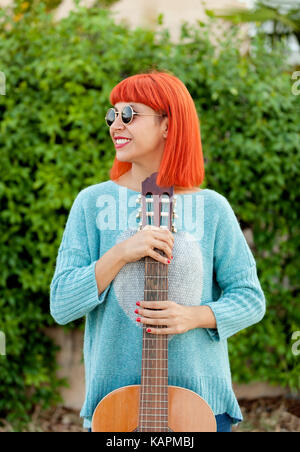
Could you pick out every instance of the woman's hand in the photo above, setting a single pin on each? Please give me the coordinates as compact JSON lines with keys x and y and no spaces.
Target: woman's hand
{"x":175,"y":317}
{"x":143,"y":243}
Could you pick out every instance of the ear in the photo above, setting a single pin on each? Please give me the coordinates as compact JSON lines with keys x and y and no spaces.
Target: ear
{"x":165,"y":126}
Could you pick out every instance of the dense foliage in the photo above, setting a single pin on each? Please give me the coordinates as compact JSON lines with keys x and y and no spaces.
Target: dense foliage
{"x":54,"y":142}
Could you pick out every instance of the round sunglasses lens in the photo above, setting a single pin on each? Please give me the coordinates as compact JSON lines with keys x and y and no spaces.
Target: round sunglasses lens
{"x":127,"y":114}
{"x":110,"y":116}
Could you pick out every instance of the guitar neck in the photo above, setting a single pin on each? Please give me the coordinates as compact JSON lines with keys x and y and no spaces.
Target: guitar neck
{"x":157,"y":206}
{"x":154,"y":381}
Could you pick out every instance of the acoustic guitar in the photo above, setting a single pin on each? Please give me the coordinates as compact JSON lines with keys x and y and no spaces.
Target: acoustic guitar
{"x":154,"y":406}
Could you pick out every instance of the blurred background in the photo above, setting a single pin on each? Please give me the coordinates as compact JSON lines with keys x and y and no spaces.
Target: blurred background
{"x":59,"y":60}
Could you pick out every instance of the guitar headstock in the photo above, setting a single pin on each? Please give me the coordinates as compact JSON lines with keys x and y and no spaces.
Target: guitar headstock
{"x":157,"y":205}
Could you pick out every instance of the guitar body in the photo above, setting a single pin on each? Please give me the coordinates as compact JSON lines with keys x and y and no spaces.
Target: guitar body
{"x":118,"y":411}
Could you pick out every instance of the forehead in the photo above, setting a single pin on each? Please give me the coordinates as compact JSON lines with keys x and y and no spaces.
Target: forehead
{"x":133,"y":104}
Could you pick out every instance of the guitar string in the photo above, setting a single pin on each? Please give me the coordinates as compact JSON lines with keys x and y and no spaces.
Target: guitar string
{"x":160,"y":337}
{"x":161,"y":342}
{"x":142,"y":414}
{"x":158,"y":342}
{"x":157,"y":370}
{"x":145,"y":411}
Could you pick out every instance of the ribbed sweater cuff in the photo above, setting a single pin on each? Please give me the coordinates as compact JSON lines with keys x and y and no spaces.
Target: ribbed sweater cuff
{"x":241,"y":305}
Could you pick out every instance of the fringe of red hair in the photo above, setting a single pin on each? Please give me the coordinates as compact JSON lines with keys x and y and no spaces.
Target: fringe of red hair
{"x":182,"y":163}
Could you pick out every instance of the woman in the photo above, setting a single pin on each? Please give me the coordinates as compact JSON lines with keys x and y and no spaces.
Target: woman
{"x":214,"y":291}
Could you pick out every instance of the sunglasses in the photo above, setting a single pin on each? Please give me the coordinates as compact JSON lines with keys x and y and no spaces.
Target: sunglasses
{"x":127,"y":115}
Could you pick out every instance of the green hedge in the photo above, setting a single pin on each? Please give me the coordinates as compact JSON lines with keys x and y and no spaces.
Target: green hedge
{"x":54,"y":142}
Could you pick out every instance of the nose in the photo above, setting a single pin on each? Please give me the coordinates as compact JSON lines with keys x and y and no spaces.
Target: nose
{"x":118,"y":123}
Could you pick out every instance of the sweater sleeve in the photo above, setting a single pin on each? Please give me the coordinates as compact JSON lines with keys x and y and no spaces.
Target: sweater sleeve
{"x":73,"y":289}
{"x":242,"y":302}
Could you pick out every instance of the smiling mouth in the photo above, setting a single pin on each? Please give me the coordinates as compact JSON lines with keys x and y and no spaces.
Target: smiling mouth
{"x":122,"y":144}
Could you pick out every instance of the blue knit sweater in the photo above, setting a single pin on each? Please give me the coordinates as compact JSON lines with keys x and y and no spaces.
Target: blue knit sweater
{"x":213,"y":266}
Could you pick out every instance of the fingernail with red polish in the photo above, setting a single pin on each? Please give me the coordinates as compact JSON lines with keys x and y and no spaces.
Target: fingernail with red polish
{"x":148,"y":330}
{"x":169,"y":261}
{"x":138,"y":319}
{"x":136,"y":311}
{"x":138,"y":303}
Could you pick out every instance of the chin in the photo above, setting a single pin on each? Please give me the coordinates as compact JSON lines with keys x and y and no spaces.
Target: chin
{"x":123,"y":158}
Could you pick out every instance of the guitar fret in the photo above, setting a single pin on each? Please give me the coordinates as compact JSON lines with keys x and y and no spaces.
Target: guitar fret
{"x":156,"y":339}
{"x":146,"y":358}
{"x":156,"y":276}
{"x":155,"y":421}
{"x":158,"y":419}
{"x":155,"y":401}
{"x":163,"y":349}
{"x":152,"y":393}
{"x":157,"y":290}
{"x":159,"y":386}
{"x":150,"y":339}
{"x":153,"y":408}
{"x":149,"y":376}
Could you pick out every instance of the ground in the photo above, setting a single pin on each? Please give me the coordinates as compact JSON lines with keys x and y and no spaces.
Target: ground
{"x":268,"y":414}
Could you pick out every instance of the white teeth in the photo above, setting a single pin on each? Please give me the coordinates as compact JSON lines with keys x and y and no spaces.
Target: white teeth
{"x":121,"y":141}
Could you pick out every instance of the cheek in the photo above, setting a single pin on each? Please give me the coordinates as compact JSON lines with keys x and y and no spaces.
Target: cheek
{"x":144,"y":142}
{"x":146,"y":138}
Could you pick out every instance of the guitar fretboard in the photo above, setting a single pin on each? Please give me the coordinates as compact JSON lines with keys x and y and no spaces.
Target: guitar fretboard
{"x":153,"y":415}
{"x":157,"y":210}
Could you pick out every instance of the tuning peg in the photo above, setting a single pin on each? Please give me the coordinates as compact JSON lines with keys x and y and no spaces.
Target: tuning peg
{"x":140,"y":225}
{"x":173,"y":228}
{"x":138,"y":199}
{"x":174,"y":200}
{"x":174,"y":213}
{"x":138,"y":215}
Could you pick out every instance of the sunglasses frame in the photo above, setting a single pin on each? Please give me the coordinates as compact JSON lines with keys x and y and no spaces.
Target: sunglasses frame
{"x":132,"y":115}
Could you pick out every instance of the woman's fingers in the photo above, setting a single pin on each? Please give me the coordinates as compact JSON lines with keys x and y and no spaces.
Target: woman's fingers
{"x":160,"y":239}
{"x":158,"y":257}
{"x":163,"y":246}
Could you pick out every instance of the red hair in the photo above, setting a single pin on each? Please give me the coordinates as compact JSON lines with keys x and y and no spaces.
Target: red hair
{"x":182,"y":162}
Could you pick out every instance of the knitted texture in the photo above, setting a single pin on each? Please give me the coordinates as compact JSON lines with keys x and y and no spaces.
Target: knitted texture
{"x":213,"y":266}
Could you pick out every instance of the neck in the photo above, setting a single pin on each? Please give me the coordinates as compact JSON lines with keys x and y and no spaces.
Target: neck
{"x":135,"y":176}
